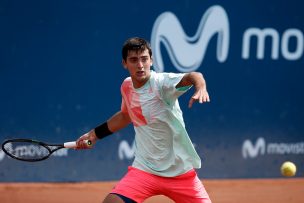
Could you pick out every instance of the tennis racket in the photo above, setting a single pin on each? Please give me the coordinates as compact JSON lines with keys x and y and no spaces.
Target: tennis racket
{"x":33,"y":150}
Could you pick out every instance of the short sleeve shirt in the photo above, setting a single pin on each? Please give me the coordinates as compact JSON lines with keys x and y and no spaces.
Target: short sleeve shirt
{"x":162,"y":144}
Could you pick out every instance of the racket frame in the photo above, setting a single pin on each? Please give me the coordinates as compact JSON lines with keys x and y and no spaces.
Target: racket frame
{"x":45,"y":145}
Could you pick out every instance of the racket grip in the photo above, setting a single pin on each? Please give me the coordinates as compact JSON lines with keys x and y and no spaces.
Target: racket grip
{"x":70,"y":144}
{"x":74,"y":145}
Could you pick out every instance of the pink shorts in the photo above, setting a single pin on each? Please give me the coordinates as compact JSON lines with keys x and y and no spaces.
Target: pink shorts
{"x":139,"y":185}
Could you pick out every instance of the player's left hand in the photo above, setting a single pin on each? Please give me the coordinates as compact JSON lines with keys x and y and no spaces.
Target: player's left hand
{"x":200,"y":95}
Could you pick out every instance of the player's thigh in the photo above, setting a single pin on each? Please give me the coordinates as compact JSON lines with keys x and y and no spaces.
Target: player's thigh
{"x":137,"y":185}
{"x":190,"y":195}
{"x":188,"y":188}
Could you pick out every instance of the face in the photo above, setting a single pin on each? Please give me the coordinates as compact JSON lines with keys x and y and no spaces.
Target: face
{"x":138,"y":64}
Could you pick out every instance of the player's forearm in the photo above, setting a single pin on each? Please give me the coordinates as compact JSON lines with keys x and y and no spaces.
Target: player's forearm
{"x":118,"y":121}
{"x":194,"y":78}
{"x":197,"y":80}
{"x":115,"y":123}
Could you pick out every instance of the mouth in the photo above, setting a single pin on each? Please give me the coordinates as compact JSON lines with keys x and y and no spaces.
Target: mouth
{"x":140,"y":73}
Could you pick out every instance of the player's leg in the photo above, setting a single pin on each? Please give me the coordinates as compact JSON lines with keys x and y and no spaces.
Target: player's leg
{"x":187,"y":188}
{"x":116,"y":198}
{"x":136,"y":185}
{"x":111,"y":198}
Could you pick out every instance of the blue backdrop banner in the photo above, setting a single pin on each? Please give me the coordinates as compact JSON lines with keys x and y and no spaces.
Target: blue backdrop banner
{"x":60,"y":76}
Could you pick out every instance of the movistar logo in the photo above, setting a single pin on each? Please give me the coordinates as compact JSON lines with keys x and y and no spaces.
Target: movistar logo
{"x":260,"y":147}
{"x":250,"y":150}
{"x":187,"y":53}
{"x":125,"y":151}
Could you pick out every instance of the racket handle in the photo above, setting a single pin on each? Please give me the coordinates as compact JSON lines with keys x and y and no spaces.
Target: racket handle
{"x":70,"y":144}
{"x":74,"y":145}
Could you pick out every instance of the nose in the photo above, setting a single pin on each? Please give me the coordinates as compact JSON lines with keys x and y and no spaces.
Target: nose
{"x":140,"y":64}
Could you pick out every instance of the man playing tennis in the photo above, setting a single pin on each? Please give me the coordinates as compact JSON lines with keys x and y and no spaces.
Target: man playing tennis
{"x":165,"y":159}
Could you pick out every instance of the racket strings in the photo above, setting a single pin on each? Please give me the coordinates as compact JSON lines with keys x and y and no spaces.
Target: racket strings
{"x":26,"y":150}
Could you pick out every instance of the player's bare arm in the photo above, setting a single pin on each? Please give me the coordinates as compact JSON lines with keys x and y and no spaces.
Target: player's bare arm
{"x":197,"y":80}
{"x":118,"y":121}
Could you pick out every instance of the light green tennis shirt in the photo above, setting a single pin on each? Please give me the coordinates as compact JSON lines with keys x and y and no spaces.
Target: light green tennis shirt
{"x":162,"y":144}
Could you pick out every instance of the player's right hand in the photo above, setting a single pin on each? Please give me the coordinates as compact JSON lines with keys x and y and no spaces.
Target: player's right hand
{"x":201,"y":95}
{"x":82,"y":143}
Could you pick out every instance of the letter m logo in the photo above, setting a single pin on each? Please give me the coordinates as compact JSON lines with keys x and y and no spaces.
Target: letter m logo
{"x":252,"y":151}
{"x":187,"y":53}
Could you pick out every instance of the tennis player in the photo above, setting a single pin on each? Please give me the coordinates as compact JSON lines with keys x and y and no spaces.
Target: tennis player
{"x":165,"y":159}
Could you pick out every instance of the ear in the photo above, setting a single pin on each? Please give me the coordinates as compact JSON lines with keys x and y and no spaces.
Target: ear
{"x":151,"y":64}
{"x":123,"y":63}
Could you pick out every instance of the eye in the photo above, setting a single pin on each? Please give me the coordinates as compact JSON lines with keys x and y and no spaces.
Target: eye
{"x":133,"y":60}
{"x":144,"y":59}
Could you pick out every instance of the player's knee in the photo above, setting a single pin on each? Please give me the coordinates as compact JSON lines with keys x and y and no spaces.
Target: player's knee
{"x":116,"y":198}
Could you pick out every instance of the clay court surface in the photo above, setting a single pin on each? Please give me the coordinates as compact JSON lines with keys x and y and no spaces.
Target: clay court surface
{"x":221,"y":191}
